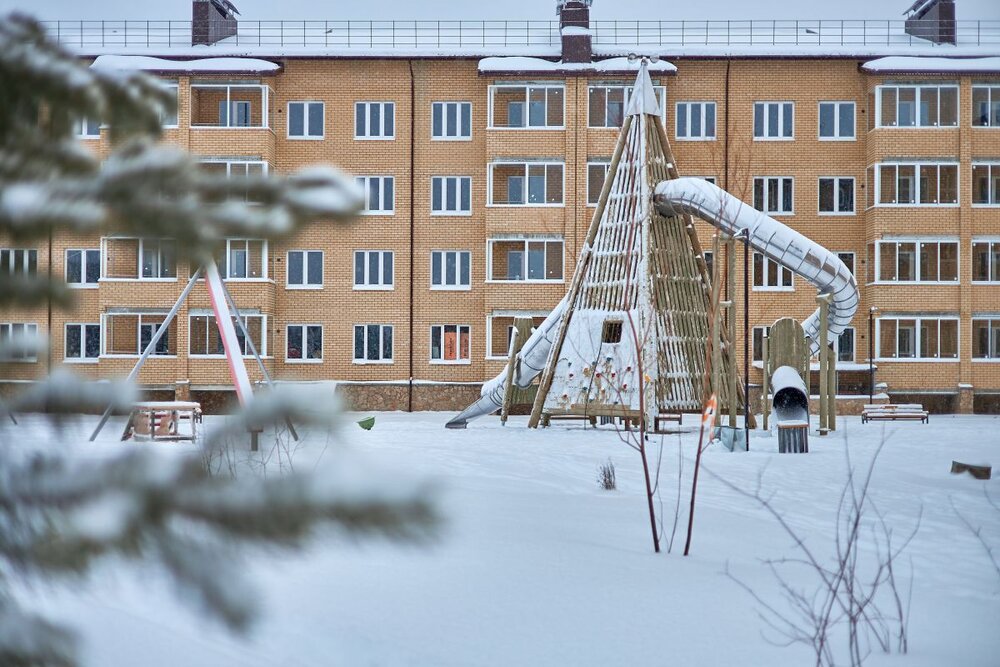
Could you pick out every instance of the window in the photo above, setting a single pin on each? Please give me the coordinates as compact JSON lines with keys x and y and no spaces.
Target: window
{"x":917,"y":261}
{"x":845,"y":345}
{"x":986,"y":261}
{"x":204,"y":339}
{"x":986,"y":184}
{"x":451,"y":269}
{"x":500,"y":330}
{"x":235,"y":169}
{"x":304,"y":343}
{"x":451,"y":195}
{"x":836,"y":196}
{"x":526,"y":260}
{"x":86,"y":128}
{"x":758,"y":342}
{"x":83,"y":342}
{"x":597,"y":172}
{"x":986,"y":106}
{"x":917,"y":337}
{"x":243,"y":259}
{"x":915,"y":184}
{"x":773,"y":194}
{"x":917,"y":106}
{"x":305,"y":269}
{"x":216,"y":104}
{"x":695,"y":121}
{"x":611,"y":331}
{"x":157,"y":259}
{"x":451,"y":121}
{"x":520,"y":106}
{"x":372,"y":343}
{"x":450,"y":344}
{"x":129,"y":334}
{"x":773,"y":120}
{"x":379,"y":199}
{"x":169,"y":116}
{"x":606,"y":104}
{"x":709,"y":260}
{"x":525,"y":184}
{"x":373,"y":270}
{"x":305,"y":120}
{"x":83,"y":267}
{"x":19,"y":260}
{"x":986,"y":338}
{"x":18,"y":342}
{"x":769,"y":275}
{"x":836,"y":121}
{"x":374,"y":120}
{"x":848,"y":259}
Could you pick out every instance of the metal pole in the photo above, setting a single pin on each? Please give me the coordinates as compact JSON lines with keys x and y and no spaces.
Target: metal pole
{"x":746,"y":338}
{"x":157,"y":335}
{"x":871,"y":355}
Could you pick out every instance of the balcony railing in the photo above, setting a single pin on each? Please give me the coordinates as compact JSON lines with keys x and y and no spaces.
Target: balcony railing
{"x":491,"y":34}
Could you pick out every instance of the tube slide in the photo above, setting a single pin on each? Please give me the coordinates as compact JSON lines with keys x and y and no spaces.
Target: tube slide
{"x":694,"y":196}
{"x":791,"y":399}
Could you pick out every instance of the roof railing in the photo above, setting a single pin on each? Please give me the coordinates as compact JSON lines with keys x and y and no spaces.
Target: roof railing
{"x":105,"y":34}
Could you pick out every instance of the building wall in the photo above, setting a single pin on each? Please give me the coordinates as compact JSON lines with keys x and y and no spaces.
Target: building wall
{"x":412,"y":157}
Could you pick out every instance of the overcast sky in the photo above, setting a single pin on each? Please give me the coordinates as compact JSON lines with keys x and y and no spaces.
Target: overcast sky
{"x":496,"y":9}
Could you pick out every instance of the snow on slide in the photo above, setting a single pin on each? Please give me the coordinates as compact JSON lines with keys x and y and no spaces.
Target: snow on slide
{"x":698,"y":197}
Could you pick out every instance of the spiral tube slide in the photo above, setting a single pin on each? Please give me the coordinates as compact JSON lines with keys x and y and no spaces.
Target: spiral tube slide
{"x":694,"y":196}
{"x":811,"y":261}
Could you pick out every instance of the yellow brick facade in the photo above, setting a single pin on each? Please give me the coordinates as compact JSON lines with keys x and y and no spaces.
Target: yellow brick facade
{"x":413,"y":157}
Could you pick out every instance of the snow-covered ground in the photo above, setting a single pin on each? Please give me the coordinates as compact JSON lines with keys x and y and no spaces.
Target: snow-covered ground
{"x":536,"y":565}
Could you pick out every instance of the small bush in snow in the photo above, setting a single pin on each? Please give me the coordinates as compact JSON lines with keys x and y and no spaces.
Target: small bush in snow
{"x":606,"y":476}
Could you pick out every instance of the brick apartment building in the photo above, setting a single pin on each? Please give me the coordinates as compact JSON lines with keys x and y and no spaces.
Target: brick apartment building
{"x":482,"y":148}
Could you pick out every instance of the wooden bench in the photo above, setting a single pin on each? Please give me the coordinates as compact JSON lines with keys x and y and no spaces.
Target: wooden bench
{"x":894,"y":412}
{"x":547,"y":418}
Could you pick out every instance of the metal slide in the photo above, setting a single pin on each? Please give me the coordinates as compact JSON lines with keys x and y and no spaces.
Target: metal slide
{"x":697,"y":197}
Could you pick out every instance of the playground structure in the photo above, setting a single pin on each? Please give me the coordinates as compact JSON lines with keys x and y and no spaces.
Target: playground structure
{"x":629,"y":339}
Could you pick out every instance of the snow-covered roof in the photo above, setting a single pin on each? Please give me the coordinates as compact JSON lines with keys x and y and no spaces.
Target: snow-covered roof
{"x":528,"y":65}
{"x":202,"y":65}
{"x":918,"y":65}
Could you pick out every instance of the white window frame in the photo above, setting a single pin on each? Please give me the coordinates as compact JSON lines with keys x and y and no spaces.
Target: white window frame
{"x":381,"y":341}
{"x":81,"y":358}
{"x":836,"y":195}
{"x":766,"y":191}
{"x":990,"y":123}
{"x":991,"y":318}
{"x":210,"y":320}
{"x":527,"y":112}
{"x":596,"y":163}
{"x":304,"y":328}
{"x":703,"y":105}
{"x":368,"y":136}
{"x":764,"y":287}
{"x":83,"y":284}
{"x":159,"y":262}
{"x":854,"y":346}
{"x":659,"y":91}
{"x":854,"y":260}
{"x":459,"y":361}
{"x":237,"y":167}
{"x":754,"y":349}
{"x":917,"y":339}
{"x":916,"y":260}
{"x":917,"y":165}
{"x":837,"y":135}
{"x":138,"y":334}
{"x":265,"y":111}
{"x":264,"y":260}
{"x":444,"y":105}
{"x":489,"y":356}
{"x":81,"y":127}
{"x":28,"y":330}
{"x":378,"y":285}
{"x":306,"y":110}
{"x":448,"y":183}
{"x":525,"y":240}
{"x":26,"y":255}
{"x":991,"y":241}
{"x":458,"y":286}
{"x":364,"y":182}
{"x":305,"y":284}
{"x":916,"y":105}
{"x":527,"y":198}
{"x":994,"y":195}
{"x":767,"y":105}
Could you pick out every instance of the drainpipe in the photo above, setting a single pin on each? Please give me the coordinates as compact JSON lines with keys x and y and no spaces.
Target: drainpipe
{"x":413,"y":110}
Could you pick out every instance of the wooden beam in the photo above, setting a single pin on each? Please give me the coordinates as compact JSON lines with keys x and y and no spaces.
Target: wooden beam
{"x":522,"y":329}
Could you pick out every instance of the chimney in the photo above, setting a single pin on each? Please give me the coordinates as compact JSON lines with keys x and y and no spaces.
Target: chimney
{"x":933,"y":20}
{"x":574,"y":27}
{"x":212,"y":21}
